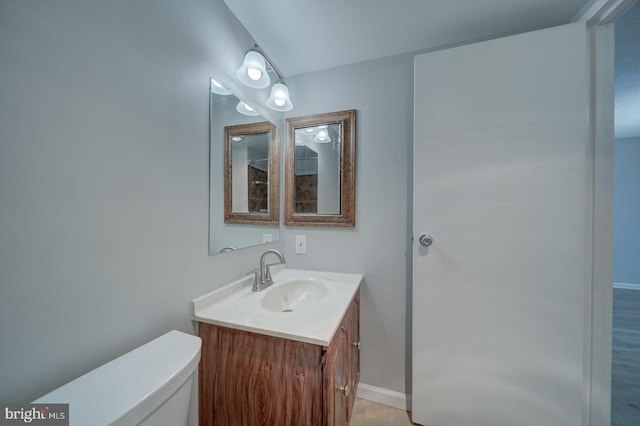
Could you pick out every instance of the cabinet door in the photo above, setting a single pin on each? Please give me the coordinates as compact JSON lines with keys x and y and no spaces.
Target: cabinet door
{"x":354,"y":344}
{"x":248,"y":379}
{"x":337,"y":390}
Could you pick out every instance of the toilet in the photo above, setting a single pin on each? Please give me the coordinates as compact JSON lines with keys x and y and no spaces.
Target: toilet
{"x":150,"y":385}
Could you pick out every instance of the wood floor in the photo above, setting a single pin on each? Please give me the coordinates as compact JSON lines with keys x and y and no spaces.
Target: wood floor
{"x":625,"y":372}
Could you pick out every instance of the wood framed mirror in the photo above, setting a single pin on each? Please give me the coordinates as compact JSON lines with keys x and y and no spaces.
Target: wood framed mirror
{"x":251,"y":174}
{"x":320,"y":160}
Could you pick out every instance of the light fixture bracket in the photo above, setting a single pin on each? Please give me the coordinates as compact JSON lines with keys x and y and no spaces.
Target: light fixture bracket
{"x":275,"y":70}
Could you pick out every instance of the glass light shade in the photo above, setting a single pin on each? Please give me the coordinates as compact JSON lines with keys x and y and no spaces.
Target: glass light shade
{"x":253,"y":71}
{"x":246,"y":109}
{"x":219,"y":88}
{"x":279,"y":99}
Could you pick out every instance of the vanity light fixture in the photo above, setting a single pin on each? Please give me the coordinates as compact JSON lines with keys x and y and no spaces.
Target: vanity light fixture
{"x":236,"y":138}
{"x":246,"y":109}
{"x":279,"y":99}
{"x":254,"y":72}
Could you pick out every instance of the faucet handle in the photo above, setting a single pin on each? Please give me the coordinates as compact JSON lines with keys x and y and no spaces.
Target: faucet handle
{"x":254,"y":286}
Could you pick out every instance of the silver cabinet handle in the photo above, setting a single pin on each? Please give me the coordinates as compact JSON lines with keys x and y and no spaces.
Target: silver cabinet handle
{"x":425,"y":240}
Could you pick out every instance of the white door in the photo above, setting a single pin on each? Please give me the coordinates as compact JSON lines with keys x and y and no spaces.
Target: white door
{"x":500,"y":183}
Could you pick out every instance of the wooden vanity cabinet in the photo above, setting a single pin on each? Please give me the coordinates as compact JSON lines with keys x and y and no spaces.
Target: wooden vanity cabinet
{"x":250,"y":379}
{"x":342,"y":370}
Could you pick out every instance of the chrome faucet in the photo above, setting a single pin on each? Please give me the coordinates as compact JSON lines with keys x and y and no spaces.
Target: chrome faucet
{"x":262,"y":277}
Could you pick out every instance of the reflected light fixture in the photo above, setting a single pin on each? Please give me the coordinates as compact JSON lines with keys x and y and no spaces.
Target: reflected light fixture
{"x":246,"y":109}
{"x":279,"y":99}
{"x":322,"y":136}
{"x":219,"y":88}
{"x":253,"y":71}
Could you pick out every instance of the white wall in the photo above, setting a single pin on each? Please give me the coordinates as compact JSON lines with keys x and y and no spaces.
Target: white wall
{"x":104,"y":179}
{"x":377,"y":247}
{"x":627,"y":211}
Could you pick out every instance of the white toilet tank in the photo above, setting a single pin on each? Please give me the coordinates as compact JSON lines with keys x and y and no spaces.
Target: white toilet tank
{"x":150,"y":386}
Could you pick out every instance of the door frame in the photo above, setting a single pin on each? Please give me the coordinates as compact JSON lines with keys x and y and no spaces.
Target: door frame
{"x":599,"y":17}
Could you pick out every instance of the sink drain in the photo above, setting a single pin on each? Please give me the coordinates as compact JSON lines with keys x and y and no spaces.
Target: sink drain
{"x":287,"y":310}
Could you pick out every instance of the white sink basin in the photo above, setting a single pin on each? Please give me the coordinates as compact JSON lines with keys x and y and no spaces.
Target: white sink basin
{"x":291,"y":295}
{"x":300,"y":305}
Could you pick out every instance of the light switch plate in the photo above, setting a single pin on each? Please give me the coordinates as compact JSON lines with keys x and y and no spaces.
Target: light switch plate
{"x":301,"y":244}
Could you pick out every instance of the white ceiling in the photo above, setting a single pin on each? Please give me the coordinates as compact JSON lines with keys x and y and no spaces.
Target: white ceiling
{"x":310,"y":35}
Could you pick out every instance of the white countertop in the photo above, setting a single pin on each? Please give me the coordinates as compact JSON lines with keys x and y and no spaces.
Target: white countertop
{"x":314,"y":321}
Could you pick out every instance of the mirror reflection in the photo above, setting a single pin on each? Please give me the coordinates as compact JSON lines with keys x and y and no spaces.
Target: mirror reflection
{"x":251,"y":190}
{"x":228,"y":236}
{"x":320,"y":170}
{"x":250,"y":170}
{"x":317,"y":169}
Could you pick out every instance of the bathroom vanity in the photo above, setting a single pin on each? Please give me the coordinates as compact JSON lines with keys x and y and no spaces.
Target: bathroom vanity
{"x":289,"y":355}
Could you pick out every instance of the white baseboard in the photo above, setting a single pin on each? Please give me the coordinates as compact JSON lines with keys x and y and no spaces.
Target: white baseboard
{"x":628,"y":286}
{"x":384,"y":396}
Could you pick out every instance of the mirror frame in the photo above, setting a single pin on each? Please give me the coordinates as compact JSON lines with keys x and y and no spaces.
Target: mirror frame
{"x":346,"y":217}
{"x":272,"y":217}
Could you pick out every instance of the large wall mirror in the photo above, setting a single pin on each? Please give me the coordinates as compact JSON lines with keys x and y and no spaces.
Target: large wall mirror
{"x":244,"y":176}
{"x":320,"y":170}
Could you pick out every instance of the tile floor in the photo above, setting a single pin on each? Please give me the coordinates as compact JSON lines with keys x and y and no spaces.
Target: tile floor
{"x":369,"y":413}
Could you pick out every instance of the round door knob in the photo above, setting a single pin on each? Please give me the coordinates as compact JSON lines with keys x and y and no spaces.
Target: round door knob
{"x":345,"y":390}
{"x":425,"y":240}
